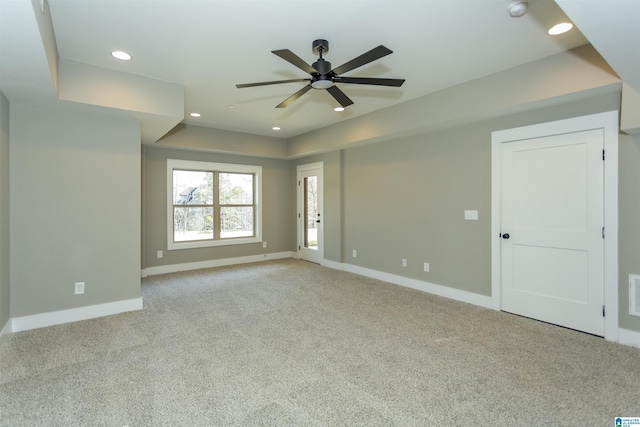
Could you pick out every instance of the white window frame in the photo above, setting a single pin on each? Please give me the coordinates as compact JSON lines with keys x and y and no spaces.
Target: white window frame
{"x":173,"y":164}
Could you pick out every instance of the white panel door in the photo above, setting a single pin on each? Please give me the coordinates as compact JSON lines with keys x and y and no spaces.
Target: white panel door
{"x":552,"y":219}
{"x":310,"y":220}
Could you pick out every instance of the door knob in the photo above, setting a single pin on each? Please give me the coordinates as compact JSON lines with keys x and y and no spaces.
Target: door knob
{"x":505,"y":236}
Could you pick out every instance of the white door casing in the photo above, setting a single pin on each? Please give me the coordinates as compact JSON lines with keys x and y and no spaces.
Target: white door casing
{"x":310,"y":213}
{"x":605,"y":124}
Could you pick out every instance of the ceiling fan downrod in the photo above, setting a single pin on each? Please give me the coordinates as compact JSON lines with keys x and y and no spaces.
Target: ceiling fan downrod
{"x":324,"y":79}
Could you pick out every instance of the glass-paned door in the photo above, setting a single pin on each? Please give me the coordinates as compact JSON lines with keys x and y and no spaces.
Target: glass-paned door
{"x":311,"y":214}
{"x":310,"y":220}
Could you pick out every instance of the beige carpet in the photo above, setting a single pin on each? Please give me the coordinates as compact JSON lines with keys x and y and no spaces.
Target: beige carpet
{"x":290,"y":343}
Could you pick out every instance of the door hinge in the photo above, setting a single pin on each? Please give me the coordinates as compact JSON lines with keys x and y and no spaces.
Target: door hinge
{"x":603,"y":232}
{"x":298,"y":215}
{"x":299,"y":247}
{"x":603,"y":311}
{"x":298,"y":182}
{"x":602,"y":154}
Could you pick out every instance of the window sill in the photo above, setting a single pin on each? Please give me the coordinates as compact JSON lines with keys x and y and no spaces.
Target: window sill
{"x":212,"y":243}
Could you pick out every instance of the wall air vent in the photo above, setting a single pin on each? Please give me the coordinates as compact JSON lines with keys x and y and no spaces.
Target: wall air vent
{"x":634,"y":294}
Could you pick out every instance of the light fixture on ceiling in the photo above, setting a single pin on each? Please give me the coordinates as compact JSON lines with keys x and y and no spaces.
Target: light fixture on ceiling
{"x":518,"y":9}
{"x":121,"y":55}
{"x":276,"y":128}
{"x":195,"y":114}
{"x":338,"y":109}
{"x":560,"y":28}
{"x":322,"y":84}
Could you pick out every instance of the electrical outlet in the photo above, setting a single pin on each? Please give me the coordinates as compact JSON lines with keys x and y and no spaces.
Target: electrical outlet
{"x":355,"y":253}
{"x":404,"y":262}
{"x":264,"y":244}
{"x":159,"y":254}
{"x":426,"y":267}
{"x":79,"y":288}
{"x":471,"y":215}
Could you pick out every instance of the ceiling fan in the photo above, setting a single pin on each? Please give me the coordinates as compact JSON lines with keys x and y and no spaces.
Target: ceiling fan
{"x":324,"y":77}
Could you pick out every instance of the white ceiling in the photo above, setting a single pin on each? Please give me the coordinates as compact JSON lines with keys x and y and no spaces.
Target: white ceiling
{"x":208,"y":46}
{"x":613,"y":28}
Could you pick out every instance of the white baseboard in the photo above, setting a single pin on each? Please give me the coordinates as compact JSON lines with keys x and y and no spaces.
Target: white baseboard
{"x":628,"y":337}
{"x":332,"y":264}
{"x":42,"y":320}
{"x":174,"y":268}
{"x":432,"y":288}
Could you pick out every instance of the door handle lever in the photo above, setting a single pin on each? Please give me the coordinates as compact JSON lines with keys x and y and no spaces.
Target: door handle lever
{"x":505,"y":236}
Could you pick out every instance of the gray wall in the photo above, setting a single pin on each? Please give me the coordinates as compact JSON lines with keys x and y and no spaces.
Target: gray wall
{"x":4,"y":211}
{"x":75,"y":209}
{"x":629,"y":217}
{"x":278,"y":222}
{"x":405,"y":198}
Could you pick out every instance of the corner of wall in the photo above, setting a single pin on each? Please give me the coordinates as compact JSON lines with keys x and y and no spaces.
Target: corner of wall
{"x":5,"y":229}
{"x":630,"y":338}
{"x":6,"y":330}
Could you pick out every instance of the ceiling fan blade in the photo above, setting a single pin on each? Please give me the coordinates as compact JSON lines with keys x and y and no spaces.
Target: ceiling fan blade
{"x":339,"y":96}
{"x":240,"y":86}
{"x":365,"y":58}
{"x":369,"y":81}
{"x":294,"y":59}
{"x":298,"y":94}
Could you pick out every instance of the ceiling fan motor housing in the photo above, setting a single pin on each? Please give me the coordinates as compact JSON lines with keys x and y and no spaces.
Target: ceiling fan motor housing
{"x":322,"y":67}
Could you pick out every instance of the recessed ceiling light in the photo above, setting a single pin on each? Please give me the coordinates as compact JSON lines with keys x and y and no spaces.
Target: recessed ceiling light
{"x":560,"y":28}
{"x":119,"y":54}
{"x":338,"y":109}
{"x":195,"y":114}
{"x":276,"y":128}
{"x":231,"y":106}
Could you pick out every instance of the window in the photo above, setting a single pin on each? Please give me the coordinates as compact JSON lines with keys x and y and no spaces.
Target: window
{"x":212,"y":204}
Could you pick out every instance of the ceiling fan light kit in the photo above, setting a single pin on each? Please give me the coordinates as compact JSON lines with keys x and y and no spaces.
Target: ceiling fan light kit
{"x":322,"y":84}
{"x":323,"y":77}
